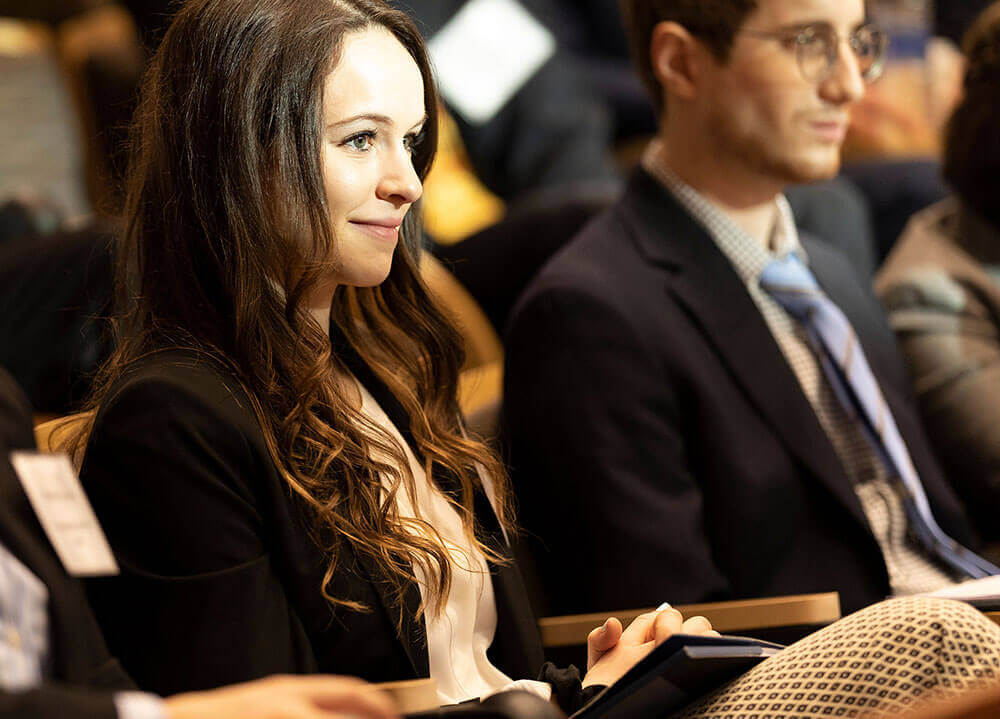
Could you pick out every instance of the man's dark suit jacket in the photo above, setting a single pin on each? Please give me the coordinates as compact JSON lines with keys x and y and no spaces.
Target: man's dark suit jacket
{"x":82,"y":670}
{"x":661,"y":446}
{"x":220,"y":577}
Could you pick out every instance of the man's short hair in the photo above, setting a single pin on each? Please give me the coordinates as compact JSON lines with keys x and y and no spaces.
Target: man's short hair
{"x":714,"y":22}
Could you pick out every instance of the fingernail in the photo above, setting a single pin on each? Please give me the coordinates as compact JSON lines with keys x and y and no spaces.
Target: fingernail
{"x":604,"y":627}
{"x":665,"y":605}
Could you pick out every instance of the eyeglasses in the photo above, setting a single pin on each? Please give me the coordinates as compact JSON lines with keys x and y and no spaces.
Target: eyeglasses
{"x":817,"y":48}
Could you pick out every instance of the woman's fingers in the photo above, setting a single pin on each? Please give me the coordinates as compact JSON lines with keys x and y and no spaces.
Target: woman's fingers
{"x":697,"y":625}
{"x":667,"y":623}
{"x":657,"y":626}
{"x":647,"y":627}
{"x":602,"y":639}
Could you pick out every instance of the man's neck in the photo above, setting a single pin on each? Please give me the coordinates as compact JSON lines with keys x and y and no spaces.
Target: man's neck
{"x":747,"y":201}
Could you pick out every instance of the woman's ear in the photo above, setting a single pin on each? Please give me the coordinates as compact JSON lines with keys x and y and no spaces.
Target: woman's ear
{"x":674,"y":55}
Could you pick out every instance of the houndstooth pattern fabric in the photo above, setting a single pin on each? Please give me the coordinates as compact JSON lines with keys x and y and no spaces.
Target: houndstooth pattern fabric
{"x":910,"y":570}
{"x":876,"y":662}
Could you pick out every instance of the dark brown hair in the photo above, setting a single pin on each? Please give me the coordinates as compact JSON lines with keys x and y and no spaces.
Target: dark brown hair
{"x":714,"y":22}
{"x":972,"y":137}
{"x":228,"y":230}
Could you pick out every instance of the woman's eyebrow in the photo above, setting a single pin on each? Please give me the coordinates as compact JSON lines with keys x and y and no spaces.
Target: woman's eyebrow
{"x":372,"y":116}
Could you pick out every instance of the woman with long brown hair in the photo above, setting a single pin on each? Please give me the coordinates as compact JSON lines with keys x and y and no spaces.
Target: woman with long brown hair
{"x":277,"y":455}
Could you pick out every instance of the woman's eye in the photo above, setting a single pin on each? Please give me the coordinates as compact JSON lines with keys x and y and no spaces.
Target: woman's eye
{"x":410,"y":142}
{"x":361,"y":142}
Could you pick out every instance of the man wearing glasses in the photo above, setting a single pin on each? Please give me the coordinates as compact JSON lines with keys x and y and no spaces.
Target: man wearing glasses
{"x":713,"y":402}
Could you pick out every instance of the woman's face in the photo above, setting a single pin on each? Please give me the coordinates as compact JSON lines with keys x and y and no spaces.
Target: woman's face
{"x":373,"y":113}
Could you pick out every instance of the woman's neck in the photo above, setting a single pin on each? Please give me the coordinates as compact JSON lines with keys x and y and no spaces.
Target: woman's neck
{"x":322,"y":315}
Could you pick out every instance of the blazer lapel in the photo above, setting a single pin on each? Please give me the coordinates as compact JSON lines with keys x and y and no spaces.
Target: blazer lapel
{"x":517,"y":647}
{"x":706,"y":284}
{"x":413,"y":631}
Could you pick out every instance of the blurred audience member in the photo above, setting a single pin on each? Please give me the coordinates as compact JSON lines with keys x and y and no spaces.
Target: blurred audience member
{"x":41,"y":153}
{"x":952,"y":18}
{"x":945,"y":62}
{"x":54,"y":290}
{"x":941,"y":285}
{"x":685,"y":390}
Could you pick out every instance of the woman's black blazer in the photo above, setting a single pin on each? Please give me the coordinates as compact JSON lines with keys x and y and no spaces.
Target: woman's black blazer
{"x":220,"y":580}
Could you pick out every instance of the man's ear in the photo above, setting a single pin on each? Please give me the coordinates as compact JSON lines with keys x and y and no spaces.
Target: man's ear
{"x":674,"y":54}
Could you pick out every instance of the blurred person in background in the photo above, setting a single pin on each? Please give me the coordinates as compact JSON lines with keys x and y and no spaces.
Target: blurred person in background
{"x":946,"y":62}
{"x":941,"y":286}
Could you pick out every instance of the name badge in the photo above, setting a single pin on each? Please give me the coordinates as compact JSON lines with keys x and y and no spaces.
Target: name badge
{"x":64,"y":512}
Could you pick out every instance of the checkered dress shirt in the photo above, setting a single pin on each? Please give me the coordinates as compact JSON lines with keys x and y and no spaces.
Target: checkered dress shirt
{"x":910,"y":569}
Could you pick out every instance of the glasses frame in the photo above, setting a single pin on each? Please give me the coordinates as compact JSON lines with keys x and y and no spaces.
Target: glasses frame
{"x":801,"y":37}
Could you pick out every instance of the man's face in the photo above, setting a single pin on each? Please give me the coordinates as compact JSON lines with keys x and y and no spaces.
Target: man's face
{"x":763,"y":116}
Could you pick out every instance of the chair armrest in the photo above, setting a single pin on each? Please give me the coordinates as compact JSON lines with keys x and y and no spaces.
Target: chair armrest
{"x":736,"y":615}
{"x":412,"y":695}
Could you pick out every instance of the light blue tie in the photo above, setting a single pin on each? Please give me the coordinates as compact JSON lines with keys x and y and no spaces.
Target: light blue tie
{"x":792,"y":285}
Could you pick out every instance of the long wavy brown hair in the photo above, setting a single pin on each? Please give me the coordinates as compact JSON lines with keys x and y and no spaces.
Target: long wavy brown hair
{"x":226,"y":217}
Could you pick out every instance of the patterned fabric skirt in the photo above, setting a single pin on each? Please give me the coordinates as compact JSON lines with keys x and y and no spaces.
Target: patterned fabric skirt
{"x":879,"y":661}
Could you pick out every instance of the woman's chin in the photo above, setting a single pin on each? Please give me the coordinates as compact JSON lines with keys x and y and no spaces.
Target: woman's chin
{"x":368,"y":277}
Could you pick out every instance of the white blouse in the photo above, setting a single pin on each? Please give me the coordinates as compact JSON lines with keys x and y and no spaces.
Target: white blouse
{"x":459,"y":635}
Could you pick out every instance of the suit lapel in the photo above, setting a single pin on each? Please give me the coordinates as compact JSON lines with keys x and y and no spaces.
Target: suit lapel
{"x":705,"y":283}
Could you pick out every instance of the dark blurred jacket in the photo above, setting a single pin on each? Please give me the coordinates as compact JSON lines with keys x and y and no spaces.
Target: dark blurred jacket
{"x":82,"y":671}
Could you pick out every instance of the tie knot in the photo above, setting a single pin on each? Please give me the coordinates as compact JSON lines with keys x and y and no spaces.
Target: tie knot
{"x":787,"y":272}
{"x":791,"y":284}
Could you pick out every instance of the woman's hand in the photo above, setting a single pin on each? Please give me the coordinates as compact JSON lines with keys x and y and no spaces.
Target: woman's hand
{"x":611,"y":652}
{"x":279,"y":697}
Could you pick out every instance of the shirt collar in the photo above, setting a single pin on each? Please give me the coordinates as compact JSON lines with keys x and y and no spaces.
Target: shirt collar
{"x":746,"y":254}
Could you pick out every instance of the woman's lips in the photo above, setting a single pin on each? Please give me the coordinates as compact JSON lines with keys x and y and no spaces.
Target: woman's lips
{"x":382,"y":231}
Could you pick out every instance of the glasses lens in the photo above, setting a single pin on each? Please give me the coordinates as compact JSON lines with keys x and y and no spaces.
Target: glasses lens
{"x":869,"y":46}
{"x":817,"y":51}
